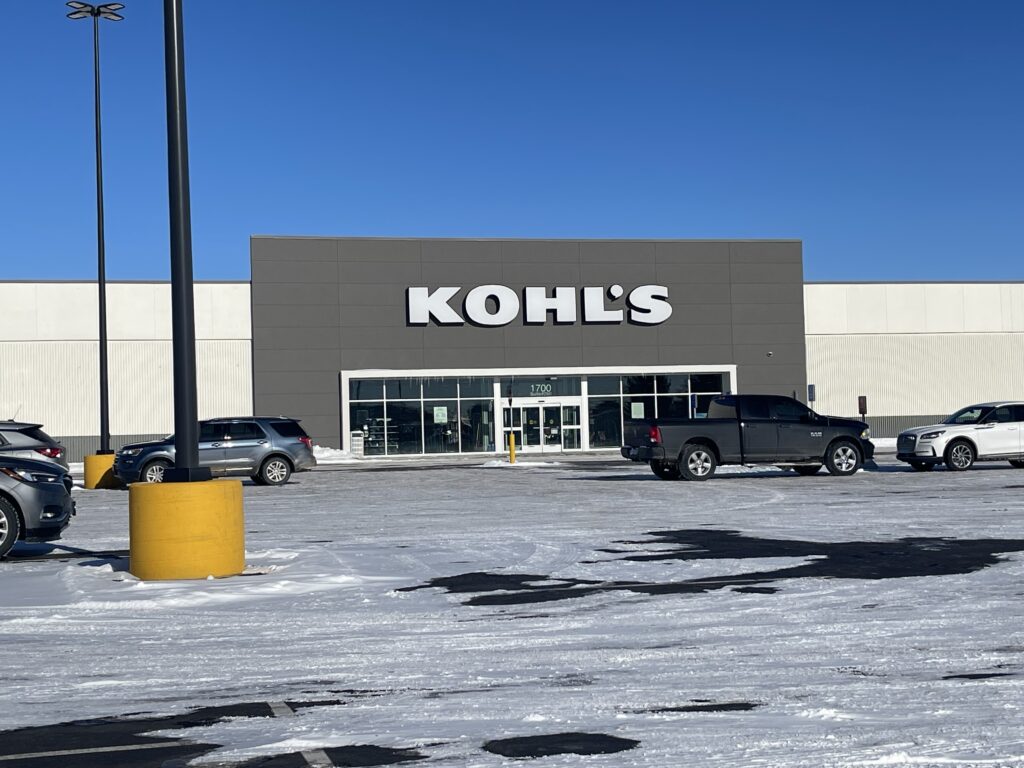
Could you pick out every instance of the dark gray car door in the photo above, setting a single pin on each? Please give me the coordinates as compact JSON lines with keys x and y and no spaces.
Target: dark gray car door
{"x":760,"y":436}
{"x":210,"y":441}
{"x":245,"y":444}
{"x":800,"y":437}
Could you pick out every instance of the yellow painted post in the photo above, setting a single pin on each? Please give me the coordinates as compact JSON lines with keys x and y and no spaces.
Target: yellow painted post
{"x":99,"y":471}
{"x":511,"y":447}
{"x":186,"y":530}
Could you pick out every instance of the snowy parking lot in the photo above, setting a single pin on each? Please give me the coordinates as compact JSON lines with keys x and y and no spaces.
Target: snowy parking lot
{"x":577,"y":613}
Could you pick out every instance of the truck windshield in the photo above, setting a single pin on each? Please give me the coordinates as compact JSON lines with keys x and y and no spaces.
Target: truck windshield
{"x":970,"y":415}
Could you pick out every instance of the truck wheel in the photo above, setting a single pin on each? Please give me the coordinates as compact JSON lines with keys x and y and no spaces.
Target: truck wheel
{"x":10,"y":526}
{"x":1017,"y":464}
{"x":807,"y":471}
{"x":698,"y":462}
{"x":842,"y":459}
{"x":959,"y":456}
{"x":922,"y":466}
{"x":665,"y":470}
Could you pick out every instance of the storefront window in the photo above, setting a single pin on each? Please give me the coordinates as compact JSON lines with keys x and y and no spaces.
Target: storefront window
{"x":701,"y":405}
{"x":679,"y":382}
{"x":366,"y":389}
{"x":368,"y":418}
{"x":605,"y":416}
{"x":638,"y":385}
{"x":638,"y":408}
{"x":441,"y":426}
{"x":476,"y":424}
{"x":603,"y":385}
{"x":434,"y":388}
{"x":402,"y":389}
{"x":405,"y":432}
{"x":478,"y":387}
{"x":674,"y":407}
{"x":706,"y":382}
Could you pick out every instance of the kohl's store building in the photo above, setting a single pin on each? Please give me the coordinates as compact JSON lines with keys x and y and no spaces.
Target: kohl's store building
{"x":429,"y":346}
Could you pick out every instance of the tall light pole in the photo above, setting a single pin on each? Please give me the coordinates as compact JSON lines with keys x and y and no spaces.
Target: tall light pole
{"x":96,"y":12}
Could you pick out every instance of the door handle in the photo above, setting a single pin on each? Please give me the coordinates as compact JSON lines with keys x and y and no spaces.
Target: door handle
{"x":215,"y":445}
{"x":985,"y":426}
{"x":783,"y":426}
{"x":263,"y":442}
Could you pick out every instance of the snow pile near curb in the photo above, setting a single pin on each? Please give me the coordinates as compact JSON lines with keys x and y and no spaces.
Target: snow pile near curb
{"x":325,"y":455}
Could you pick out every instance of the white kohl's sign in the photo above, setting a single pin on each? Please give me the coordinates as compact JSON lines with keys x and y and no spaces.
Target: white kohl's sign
{"x":497,"y":305}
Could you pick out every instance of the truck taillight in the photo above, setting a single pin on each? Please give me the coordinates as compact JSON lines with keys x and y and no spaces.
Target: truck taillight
{"x":654,"y":435}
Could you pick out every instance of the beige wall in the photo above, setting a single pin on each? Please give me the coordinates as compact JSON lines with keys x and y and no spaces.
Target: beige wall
{"x":914,"y":348}
{"x":49,"y":367}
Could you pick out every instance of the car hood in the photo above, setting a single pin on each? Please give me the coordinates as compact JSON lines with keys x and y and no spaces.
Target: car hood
{"x":31,"y":465}
{"x":918,"y":431}
{"x":835,"y":421}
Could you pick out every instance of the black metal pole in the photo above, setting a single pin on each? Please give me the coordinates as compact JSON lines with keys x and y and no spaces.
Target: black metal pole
{"x":186,"y":428}
{"x":101,"y":271}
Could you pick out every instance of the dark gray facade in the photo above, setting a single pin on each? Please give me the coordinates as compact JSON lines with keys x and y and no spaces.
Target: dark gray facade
{"x":321,"y":306}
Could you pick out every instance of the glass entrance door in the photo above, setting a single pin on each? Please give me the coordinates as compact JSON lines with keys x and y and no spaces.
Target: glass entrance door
{"x":542,"y":427}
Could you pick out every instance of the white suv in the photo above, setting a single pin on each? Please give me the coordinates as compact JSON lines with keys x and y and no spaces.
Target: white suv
{"x":983,"y":432}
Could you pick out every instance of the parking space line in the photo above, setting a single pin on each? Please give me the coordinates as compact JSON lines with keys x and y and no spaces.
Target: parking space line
{"x":92,"y":750}
{"x":315,"y":758}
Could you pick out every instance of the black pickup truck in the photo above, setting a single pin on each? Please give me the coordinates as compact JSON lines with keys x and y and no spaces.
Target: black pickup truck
{"x":749,"y":429}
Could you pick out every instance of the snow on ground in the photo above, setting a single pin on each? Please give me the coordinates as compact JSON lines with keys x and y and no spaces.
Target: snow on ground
{"x":874,"y":620}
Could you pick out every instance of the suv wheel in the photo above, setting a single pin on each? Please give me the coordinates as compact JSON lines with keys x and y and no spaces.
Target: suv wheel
{"x":842,"y":459}
{"x":154,"y":471}
{"x":698,"y":462}
{"x":959,"y":456}
{"x":273,"y":471}
{"x":10,"y":526}
{"x":665,"y":470}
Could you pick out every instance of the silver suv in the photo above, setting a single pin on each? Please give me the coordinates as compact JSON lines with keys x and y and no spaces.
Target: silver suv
{"x":35,"y":501}
{"x":24,"y":440}
{"x":983,"y":432}
{"x":268,"y":449}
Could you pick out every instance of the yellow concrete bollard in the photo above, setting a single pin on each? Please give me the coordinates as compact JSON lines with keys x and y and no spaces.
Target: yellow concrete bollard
{"x":99,"y":471}
{"x":511,"y":447}
{"x":186,"y":530}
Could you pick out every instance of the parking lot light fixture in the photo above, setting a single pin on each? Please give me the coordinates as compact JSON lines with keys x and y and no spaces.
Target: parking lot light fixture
{"x":107,"y":11}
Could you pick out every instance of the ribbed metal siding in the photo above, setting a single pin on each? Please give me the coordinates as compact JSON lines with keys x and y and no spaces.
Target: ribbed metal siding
{"x":56,"y":383}
{"x":914,"y":373}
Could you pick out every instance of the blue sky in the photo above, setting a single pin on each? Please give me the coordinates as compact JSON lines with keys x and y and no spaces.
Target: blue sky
{"x":887,"y":136}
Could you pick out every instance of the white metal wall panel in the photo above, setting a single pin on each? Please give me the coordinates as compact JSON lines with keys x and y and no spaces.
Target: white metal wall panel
{"x":865,"y":308}
{"x":51,"y":382}
{"x":914,"y":373}
{"x":57,"y":384}
{"x":135,"y":311}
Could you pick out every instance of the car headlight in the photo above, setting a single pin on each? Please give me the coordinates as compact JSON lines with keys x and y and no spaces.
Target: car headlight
{"x":865,"y":434}
{"x":129,"y":452}
{"x":932,"y":435}
{"x":30,"y":477}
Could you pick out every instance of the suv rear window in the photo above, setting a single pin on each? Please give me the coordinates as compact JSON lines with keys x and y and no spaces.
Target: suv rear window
{"x":36,"y":434}
{"x":288,"y":428}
